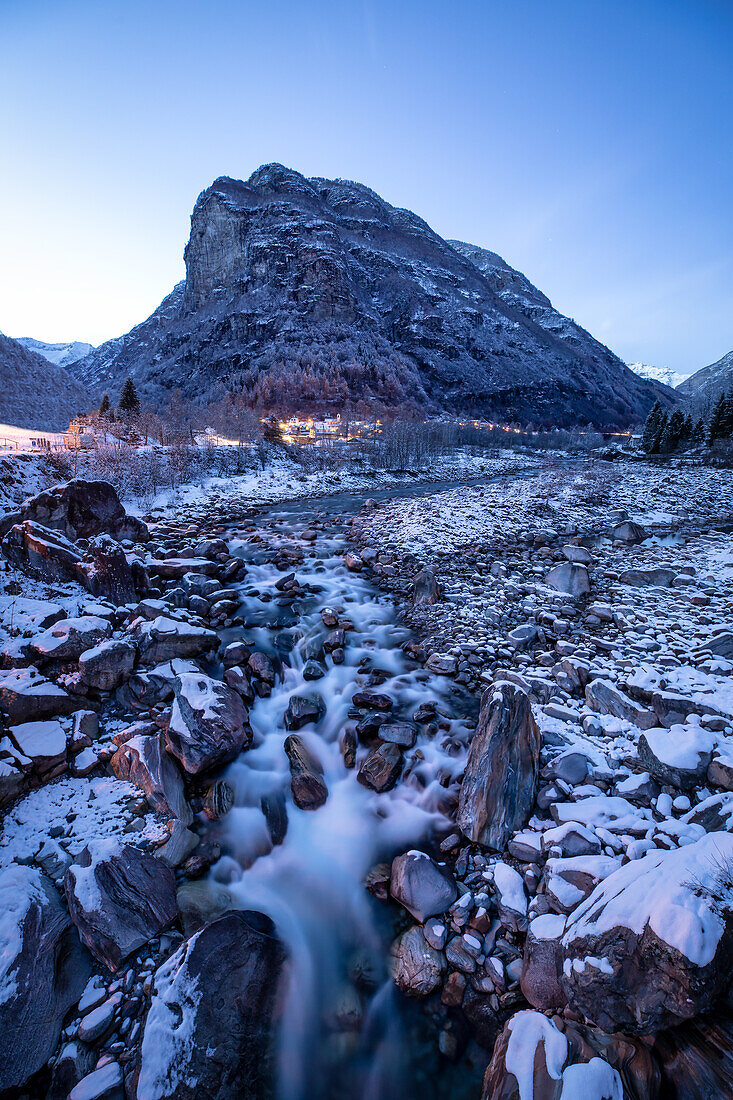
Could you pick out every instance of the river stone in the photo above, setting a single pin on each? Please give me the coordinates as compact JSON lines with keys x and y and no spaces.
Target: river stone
{"x":218,"y":800}
{"x":542,"y":966}
{"x":306,"y":774}
{"x":403,"y":734}
{"x":381,"y":768}
{"x":303,"y":709}
{"x":421,"y":885}
{"x":426,"y":588}
{"x":143,"y":760}
{"x":41,"y":552}
{"x":43,"y":971}
{"x":640,"y":578}
{"x":500,"y":781}
{"x":208,"y":724}
{"x":119,"y":897}
{"x":629,"y":532}
{"x":417,"y":968}
{"x":209,"y":1030}
{"x":653,"y":944}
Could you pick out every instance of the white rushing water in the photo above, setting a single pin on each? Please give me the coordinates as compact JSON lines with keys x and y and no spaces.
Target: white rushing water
{"x":338,"y":1027}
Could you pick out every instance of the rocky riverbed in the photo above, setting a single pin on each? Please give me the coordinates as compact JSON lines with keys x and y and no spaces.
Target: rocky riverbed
{"x":349,"y":798}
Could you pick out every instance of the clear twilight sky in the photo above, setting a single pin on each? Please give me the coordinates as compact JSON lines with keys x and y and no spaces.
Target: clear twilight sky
{"x":590,"y":142}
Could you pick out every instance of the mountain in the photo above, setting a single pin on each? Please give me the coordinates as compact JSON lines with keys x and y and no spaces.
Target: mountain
{"x":707,"y":383}
{"x":35,"y":393}
{"x":665,"y":375}
{"x":303,"y":293}
{"x":63,"y":355}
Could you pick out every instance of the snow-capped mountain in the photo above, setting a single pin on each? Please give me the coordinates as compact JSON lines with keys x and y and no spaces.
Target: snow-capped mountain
{"x":657,"y":374}
{"x":63,"y":355}
{"x":37,"y":393}
{"x":709,"y":381}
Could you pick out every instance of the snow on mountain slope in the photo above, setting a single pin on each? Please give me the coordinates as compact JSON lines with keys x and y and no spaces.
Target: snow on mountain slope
{"x":63,"y":355}
{"x":665,"y":375}
{"x":708,"y":382}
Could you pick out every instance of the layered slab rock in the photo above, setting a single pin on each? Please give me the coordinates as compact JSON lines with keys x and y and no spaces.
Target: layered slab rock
{"x":208,"y":724}
{"x":27,"y":696}
{"x":164,"y":639}
{"x":500,"y":781}
{"x":119,"y":897}
{"x":144,"y":761}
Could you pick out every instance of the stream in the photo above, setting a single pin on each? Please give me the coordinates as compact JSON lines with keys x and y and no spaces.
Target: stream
{"x":343,"y":1027}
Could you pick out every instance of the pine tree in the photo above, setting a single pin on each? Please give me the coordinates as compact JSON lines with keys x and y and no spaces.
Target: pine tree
{"x":104,"y":407}
{"x":656,"y":444}
{"x":129,"y":400}
{"x":672,"y":434}
{"x":698,"y":432}
{"x":687,"y":429}
{"x":717,"y":422}
{"x":651,"y":428}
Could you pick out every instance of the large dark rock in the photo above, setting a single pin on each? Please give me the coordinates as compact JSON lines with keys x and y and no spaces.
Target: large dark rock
{"x":43,"y":971}
{"x":107,"y":571}
{"x":27,"y":696}
{"x":304,"y":709}
{"x":381,"y":768}
{"x":306,"y":774}
{"x":82,"y":509}
{"x":697,"y":1058}
{"x":42,"y":552}
{"x":426,"y":588}
{"x":163,"y":639}
{"x":500,"y":781}
{"x":208,"y":725}
{"x":281,"y":261}
{"x":209,"y":1031}
{"x":652,"y":945}
{"x":119,"y":897}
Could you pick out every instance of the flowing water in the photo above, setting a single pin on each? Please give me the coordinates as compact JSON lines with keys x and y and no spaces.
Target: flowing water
{"x":341,"y":1025}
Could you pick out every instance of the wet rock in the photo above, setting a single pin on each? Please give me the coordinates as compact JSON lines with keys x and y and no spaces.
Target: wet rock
{"x":426,"y":588}
{"x":119,"y":898}
{"x":43,"y":971}
{"x":262,"y":668}
{"x":628,"y":532}
{"x":209,"y":1031}
{"x":313,"y":670}
{"x":208,"y":724}
{"x":236,"y":677}
{"x":570,"y":578}
{"x":381,"y":768}
{"x":108,"y":664}
{"x":370,"y":700}
{"x":421,"y":885}
{"x":82,"y":509}
{"x":500,"y":781}
{"x":417,"y":968}
{"x":329,"y":617}
{"x":651,"y":945}
{"x":275,"y":811}
{"x":304,"y":709}
{"x":403,"y":734}
{"x":306,"y":774}
{"x":144,"y":761}
{"x":218,"y":800}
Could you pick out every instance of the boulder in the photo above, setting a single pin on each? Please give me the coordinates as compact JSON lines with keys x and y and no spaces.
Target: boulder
{"x":82,"y":509}
{"x":629,"y":532}
{"x":304,"y":709}
{"x":679,"y":756}
{"x":67,"y":640}
{"x":306,"y":774}
{"x":108,"y":664}
{"x":417,"y":968}
{"x":571,"y":578}
{"x":579,"y":554}
{"x":542,"y":965}
{"x":43,"y":971}
{"x":164,"y":639}
{"x":426,"y":588}
{"x":653,"y":944}
{"x":107,"y":572}
{"x":209,"y":1030}
{"x":41,"y":552}
{"x":119,"y":897}
{"x":27,"y":696}
{"x":421,"y":885}
{"x":208,"y":724}
{"x":606,"y":698}
{"x":43,"y":743}
{"x":145,"y":762}
{"x":642,"y":578}
{"x":500,"y":781}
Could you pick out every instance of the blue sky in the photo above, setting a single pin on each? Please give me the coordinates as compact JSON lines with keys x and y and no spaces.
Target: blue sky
{"x":590,"y":142}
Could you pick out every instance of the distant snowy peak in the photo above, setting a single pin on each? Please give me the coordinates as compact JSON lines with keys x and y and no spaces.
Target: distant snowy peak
{"x":710,"y":381}
{"x":657,"y":374}
{"x":63,"y":355}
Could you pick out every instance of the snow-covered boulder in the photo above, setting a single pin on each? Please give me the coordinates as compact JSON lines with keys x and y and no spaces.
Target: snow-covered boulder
{"x":82,"y":509}
{"x":208,"y":725}
{"x":653,"y":943}
{"x":679,"y":756}
{"x":27,"y":696}
{"x":209,"y":1028}
{"x":43,"y":971}
{"x":107,"y":665}
{"x":163,"y":639}
{"x":119,"y":897}
{"x":143,"y":760}
{"x":67,"y":640}
{"x":500,"y":781}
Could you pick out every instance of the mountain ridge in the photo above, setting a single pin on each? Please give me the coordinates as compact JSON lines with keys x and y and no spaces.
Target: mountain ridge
{"x":319,"y":291}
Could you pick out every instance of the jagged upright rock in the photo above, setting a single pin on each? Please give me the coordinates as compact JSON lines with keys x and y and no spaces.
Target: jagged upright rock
{"x":500,"y":781}
{"x":82,"y":509}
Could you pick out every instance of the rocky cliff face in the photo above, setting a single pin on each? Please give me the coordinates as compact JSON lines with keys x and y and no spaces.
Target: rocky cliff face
{"x":303,"y":291}
{"x":710,"y":381}
{"x":35,"y":393}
